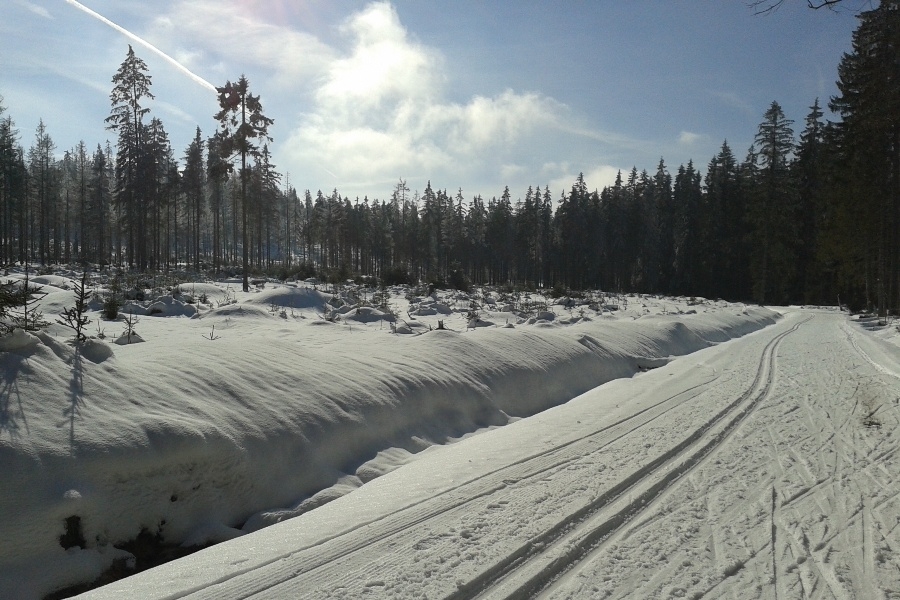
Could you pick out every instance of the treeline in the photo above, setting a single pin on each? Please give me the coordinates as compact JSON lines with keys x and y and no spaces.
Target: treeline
{"x":812,"y":217}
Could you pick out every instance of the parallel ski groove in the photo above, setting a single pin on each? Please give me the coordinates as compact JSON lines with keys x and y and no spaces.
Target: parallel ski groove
{"x":246,"y":583}
{"x":492,"y":585}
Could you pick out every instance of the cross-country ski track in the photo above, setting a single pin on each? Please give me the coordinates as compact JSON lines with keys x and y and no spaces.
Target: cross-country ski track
{"x":763,"y":467}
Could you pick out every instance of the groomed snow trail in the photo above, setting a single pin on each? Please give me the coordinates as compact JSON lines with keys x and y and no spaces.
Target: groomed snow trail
{"x":801,"y":501}
{"x":765,"y":467}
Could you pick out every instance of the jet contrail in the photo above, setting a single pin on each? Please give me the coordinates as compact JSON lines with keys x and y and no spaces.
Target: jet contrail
{"x":327,"y":171}
{"x":144,"y":43}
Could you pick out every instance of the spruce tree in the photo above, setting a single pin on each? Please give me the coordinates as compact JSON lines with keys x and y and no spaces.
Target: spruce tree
{"x":772,"y":211}
{"x":725,"y":203}
{"x":809,"y":180}
{"x":868,"y":141}
{"x":44,"y":182}
{"x":131,"y":86}
{"x":241,"y":126}
{"x":100,"y":199}
{"x":193,"y":184}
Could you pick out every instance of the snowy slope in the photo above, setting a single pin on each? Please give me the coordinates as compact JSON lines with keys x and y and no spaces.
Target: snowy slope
{"x":258,"y":409}
{"x":764,"y":467}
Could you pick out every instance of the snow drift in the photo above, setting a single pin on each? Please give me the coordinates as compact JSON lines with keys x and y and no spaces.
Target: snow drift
{"x":196,"y":436}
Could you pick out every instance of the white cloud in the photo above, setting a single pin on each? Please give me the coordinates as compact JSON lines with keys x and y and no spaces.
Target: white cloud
{"x":36,"y":9}
{"x":202,"y":31}
{"x":379,"y":111}
{"x":733,"y":100}
{"x":384,"y":65}
{"x":688,"y":138}
{"x":596,"y":177}
{"x":512,"y":171}
{"x":369,"y":108}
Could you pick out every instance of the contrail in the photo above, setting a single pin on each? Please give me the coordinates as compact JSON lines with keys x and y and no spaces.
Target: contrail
{"x":327,"y":171}
{"x":144,"y":43}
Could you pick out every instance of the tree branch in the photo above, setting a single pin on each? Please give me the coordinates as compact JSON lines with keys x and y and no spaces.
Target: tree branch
{"x":763,"y":7}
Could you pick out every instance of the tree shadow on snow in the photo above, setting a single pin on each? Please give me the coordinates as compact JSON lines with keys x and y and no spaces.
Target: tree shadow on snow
{"x":76,"y":394}
{"x":11,"y":410}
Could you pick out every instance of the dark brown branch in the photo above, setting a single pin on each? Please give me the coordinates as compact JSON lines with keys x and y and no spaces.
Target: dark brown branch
{"x":762,"y":7}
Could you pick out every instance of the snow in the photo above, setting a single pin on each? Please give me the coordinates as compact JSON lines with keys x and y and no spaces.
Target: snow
{"x":574,"y":455}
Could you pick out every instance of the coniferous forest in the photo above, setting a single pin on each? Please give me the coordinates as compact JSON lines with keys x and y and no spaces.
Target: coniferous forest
{"x":810,"y":213}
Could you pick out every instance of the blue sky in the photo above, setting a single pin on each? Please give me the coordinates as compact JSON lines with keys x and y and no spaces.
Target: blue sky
{"x":467,"y":94}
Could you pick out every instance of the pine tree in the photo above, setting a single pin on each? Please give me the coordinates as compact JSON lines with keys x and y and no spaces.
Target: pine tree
{"x":131,"y":86}
{"x":12,"y":190}
{"x":726,"y":229}
{"x":772,"y":211}
{"x":687,"y":196}
{"x":44,"y":180}
{"x":82,"y":183}
{"x":192,"y":182}
{"x":99,"y":207}
{"x":868,"y":142}
{"x":241,"y":126}
{"x":216,"y":177}
{"x":75,"y":317}
{"x":266,"y":194}
{"x":662,"y":198}
{"x":808,"y":171}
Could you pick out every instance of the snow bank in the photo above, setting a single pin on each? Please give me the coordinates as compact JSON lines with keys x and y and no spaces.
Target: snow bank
{"x":291,"y":297}
{"x":192,"y":435}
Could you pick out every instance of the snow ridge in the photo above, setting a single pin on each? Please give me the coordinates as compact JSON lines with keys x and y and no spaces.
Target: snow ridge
{"x":191,"y":439}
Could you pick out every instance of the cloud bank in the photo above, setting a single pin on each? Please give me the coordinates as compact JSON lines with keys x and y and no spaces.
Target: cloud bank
{"x":361,"y":113}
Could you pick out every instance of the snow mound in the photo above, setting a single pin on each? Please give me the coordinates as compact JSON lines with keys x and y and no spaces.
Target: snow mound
{"x":125,"y":340}
{"x":55,"y":281}
{"x":133,"y":307}
{"x":289,"y":296}
{"x":367,"y":314}
{"x":19,"y":342}
{"x":476,"y":323}
{"x":243,"y":311}
{"x":429,"y":306}
{"x":167,"y":306}
{"x":96,"y":351}
{"x":212,"y":291}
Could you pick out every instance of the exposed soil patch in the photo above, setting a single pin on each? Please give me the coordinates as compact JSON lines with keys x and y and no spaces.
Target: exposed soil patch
{"x":149,"y":551}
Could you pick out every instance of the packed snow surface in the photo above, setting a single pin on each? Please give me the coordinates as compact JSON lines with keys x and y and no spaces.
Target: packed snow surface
{"x":311,"y":430}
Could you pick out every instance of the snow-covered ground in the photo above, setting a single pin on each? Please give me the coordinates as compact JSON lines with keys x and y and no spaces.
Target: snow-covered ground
{"x":759,"y":464}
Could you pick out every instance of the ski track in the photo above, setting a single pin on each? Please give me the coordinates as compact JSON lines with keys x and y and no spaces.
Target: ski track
{"x":369,"y":538}
{"x":832,"y":478}
{"x":743,"y":406}
{"x":772,"y":478}
{"x":362,"y":555}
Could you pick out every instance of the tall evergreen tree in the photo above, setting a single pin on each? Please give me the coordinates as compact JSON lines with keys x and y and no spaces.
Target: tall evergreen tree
{"x":100,"y":201}
{"x":687,"y":196}
{"x":868,"y":141}
{"x":242,"y":126}
{"x":131,"y":87}
{"x":809,"y":180}
{"x":193,"y":182}
{"x":773,"y":211}
{"x":44,"y":181}
{"x":13,"y":175}
{"x":82,"y":184}
{"x":726,"y":236}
